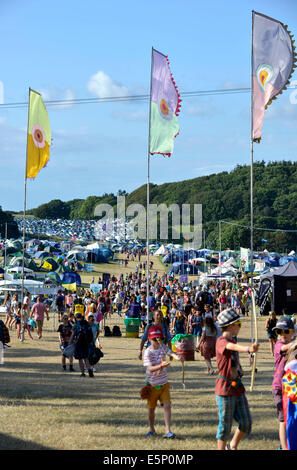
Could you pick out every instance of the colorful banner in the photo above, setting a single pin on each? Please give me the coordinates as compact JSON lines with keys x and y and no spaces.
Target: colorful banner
{"x":273,"y":59}
{"x":39,"y":135}
{"x":245,"y":256}
{"x":164,"y":108}
{"x":71,"y":287}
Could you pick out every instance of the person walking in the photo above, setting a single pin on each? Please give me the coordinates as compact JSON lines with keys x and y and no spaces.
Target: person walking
{"x":207,"y":343}
{"x":82,"y":336}
{"x":157,"y":379}
{"x":270,"y":325}
{"x":38,"y":311}
{"x":65,"y":331}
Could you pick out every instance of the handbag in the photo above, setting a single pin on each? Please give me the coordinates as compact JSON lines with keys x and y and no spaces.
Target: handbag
{"x":95,"y":355}
{"x":69,"y":350}
{"x":145,"y":392}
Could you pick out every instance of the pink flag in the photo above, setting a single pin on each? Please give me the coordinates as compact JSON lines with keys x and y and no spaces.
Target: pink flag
{"x":273,"y":64}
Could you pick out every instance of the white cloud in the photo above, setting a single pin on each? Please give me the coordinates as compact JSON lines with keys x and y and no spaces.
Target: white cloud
{"x":103,"y":86}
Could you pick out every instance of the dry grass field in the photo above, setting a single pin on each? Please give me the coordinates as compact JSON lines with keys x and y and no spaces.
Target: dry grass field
{"x":43,"y":407}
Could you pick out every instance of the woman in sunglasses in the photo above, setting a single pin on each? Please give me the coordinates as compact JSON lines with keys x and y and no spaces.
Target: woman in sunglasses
{"x":285,"y":332}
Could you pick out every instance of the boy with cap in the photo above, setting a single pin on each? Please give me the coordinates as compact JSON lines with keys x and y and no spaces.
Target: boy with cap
{"x":285,"y":331}
{"x":229,"y":390}
{"x":156,"y":376}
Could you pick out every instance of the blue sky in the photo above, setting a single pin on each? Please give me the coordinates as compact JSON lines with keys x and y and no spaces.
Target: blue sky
{"x":72,"y":49}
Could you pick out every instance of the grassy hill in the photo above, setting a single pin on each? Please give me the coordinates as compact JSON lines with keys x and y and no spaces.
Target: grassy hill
{"x":224,"y":196}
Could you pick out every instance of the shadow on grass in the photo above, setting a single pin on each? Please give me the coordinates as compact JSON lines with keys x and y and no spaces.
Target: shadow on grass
{"x":12,"y":443}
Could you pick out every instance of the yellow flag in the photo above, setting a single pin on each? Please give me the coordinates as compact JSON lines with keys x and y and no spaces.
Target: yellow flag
{"x":39,"y":135}
{"x":71,"y":287}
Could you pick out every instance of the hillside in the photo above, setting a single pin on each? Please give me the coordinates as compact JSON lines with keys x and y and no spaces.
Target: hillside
{"x":224,"y":196}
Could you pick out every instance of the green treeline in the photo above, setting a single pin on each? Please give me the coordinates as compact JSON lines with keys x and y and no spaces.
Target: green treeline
{"x":224,"y":196}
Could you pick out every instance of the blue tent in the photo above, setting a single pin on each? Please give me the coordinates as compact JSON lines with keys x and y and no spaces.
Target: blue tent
{"x":285,"y":259}
{"x":104,"y":254}
{"x":182,"y":268}
{"x":70,"y":277}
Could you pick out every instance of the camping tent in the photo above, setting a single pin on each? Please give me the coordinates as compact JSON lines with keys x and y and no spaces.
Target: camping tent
{"x":282,"y":283}
{"x":70,"y":278}
{"x":160,"y":251}
{"x":49,"y":264}
{"x":182,"y":268}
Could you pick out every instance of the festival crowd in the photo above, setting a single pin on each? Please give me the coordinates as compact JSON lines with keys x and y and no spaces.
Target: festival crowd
{"x":210,"y":312}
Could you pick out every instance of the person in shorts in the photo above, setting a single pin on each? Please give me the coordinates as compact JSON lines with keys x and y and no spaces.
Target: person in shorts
{"x":285,"y":332}
{"x":65,"y":332}
{"x":60,"y":304}
{"x":230,"y":392}
{"x":156,"y":376}
{"x":39,"y":310}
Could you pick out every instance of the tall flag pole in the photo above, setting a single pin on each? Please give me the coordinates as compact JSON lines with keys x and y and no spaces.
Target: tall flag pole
{"x":251,"y":263}
{"x":163,"y":125}
{"x":37,"y":156}
{"x":148,"y":202}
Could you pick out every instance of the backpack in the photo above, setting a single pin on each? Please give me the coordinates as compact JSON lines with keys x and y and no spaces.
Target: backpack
{"x":85,"y":334}
{"x":116,"y":331}
{"x":102,"y":307}
{"x":107,"y":331}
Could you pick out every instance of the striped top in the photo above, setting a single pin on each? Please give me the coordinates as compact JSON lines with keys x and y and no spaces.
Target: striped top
{"x":154,"y":357}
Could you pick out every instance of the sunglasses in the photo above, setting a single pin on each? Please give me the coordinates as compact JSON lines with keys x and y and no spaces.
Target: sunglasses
{"x":237,"y":323}
{"x":283,"y":332}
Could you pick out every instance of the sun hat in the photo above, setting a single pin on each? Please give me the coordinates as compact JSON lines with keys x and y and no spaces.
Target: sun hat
{"x":227,"y":317}
{"x":284,"y":323}
{"x":155,"y":332}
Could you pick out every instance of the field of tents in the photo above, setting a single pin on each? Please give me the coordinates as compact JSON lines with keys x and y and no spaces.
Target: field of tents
{"x":49,"y":266}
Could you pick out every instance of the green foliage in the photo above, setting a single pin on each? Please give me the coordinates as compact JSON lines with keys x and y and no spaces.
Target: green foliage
{"x":12,"y":227}
{"x":55,"y":209}
{"x":224,"y":196}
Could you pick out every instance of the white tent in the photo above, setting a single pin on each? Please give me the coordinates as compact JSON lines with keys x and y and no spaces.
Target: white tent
{"x":34,"y":287}
{"x":19,"y":269}
{"x":160,"y":251}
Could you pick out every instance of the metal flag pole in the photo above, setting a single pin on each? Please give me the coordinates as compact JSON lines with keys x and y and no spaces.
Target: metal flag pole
{"x":5,"y":244}
{"x":252,"y":183}
{"x":24,"y":231}
{"x":148,"y":202}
